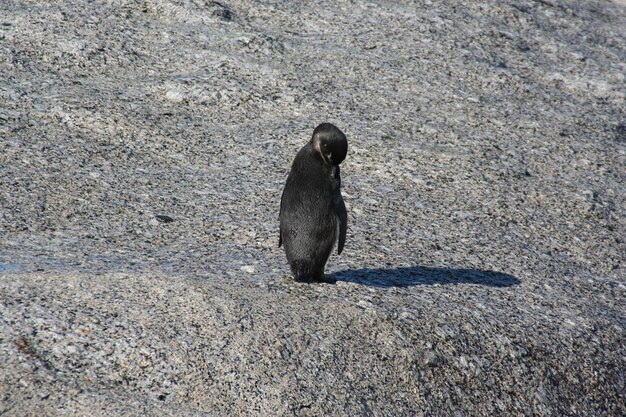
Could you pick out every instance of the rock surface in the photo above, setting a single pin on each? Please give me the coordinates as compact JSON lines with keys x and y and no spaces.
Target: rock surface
{"x":143,"y":149}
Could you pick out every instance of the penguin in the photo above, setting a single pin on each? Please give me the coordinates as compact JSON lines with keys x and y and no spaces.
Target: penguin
{"x":313,"y":216}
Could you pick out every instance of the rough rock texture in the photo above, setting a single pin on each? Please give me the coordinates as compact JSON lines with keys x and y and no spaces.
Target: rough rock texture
{"x":143,"y":149}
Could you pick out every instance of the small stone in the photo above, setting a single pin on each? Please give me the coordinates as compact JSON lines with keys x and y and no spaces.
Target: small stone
{"x":175,"y":96}
{"x":163,"y":218}
{"x":250,"y":269}
{"x":432,"y":359}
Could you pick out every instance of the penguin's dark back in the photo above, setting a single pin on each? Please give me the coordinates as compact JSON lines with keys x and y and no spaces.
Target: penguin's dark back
{"x":308,"y":184}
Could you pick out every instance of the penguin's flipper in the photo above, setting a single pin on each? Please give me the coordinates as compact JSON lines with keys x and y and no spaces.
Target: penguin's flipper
{"x":342,"y":215}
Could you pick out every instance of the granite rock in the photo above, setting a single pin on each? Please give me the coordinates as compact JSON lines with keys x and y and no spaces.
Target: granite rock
{"x":143,"y":149}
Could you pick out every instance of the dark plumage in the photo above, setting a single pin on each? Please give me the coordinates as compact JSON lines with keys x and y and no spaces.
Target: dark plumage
{"x":312,"y":212}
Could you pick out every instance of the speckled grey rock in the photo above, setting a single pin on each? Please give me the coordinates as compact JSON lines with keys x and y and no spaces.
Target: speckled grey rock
{"x":143,"y":148}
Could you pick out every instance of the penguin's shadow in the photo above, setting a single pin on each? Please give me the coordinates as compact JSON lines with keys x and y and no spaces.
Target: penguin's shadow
{"x":420,"y":275}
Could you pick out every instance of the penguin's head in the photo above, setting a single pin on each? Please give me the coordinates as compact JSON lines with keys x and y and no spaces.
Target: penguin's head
{"x":330,"y":143}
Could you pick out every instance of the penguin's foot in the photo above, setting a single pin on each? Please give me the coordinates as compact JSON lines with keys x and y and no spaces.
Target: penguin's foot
{"x":304,"y":280}
{"x":326,"y":279}
{"x":315,"y":279}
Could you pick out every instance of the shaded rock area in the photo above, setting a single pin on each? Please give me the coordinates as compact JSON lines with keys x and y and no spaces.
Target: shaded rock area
{"x":143,"y":149}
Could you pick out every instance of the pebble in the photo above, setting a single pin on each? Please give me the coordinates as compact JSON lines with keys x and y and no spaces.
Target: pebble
{"x":175,"y":96}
